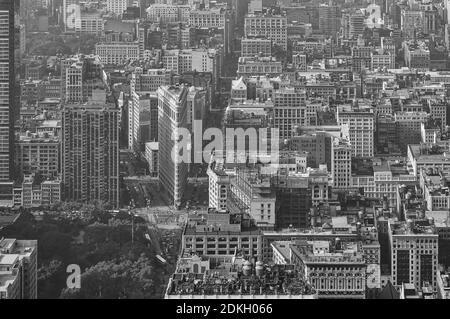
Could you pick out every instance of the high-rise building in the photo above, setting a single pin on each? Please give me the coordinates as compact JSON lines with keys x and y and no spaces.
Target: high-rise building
{"x":293,"y":194}
{"x":7,"y":109}
{"x":142,"y":120}
{"x":270,"y":26}
{"x":172,"y":115}
{"x":38,"y":153}
{"x":408,"y":126}
{"x":414,"y":252}
{"x":143,"y":106}
{"x":289,"y":110}
{"x":90,"y":152}
{"x":80,"y":76}
{"x":219,"y":184}
{"x":251,"y":192}
{"x":216,"y":233}
{"x":18,"y":269}
{"x":336,"y":270}
{"x":341,"y":164}
{"x":361,"y":130}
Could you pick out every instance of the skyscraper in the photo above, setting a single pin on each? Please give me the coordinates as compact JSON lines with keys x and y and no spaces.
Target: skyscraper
{"x":172,"y":115}
{"x":361,"y":128}
{"x":90,"y":154}
{"x":7,"y":79}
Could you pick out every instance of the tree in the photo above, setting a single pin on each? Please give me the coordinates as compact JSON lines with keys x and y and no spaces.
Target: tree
{"x":54,"y":244}
{"x":51,"y":277}
{"x":111,"y":280}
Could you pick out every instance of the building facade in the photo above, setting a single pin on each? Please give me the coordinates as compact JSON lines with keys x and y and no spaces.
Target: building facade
{"x":90,"y":152}
{"x":172,"y":115}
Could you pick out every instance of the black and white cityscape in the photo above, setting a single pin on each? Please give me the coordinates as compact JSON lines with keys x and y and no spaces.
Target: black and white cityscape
{"x":224,"y":149}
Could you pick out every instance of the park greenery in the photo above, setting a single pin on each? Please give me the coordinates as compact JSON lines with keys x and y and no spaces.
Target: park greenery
{"x":112,"y":266}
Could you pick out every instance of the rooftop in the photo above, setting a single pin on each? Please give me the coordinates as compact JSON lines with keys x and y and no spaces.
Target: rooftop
{"x":413,"y":227}
{"x":220,"y":222}
{"x":245,"y":280}
{"x":424,"y":153}
{"x":342,"y":253}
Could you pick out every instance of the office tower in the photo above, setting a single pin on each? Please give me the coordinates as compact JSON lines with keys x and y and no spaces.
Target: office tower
{"x":142,"y":120}
{"x":253,"y":115}
{"x":72,"y":70}
{"x":272,"y":27}
{"x":81,"y":78}
{"x":341,"y":163}
{"x":408,"y":127}
{"x":361,"y":130}
{"x":361,"y":58}
{"x":414,"y":252}
{"x":290,"y":111}
{"x":143,"y":106}
{"x":293,"y":194}
{"x":219,"y":184}
{"x":386,"y":138}
{"x":232,"y":232}
{"x":18,"y":269}
{"x":90,"y":152}
{"x":38,"y":153}
{"x":251,"y":193}
{"x":173,"y":171}
{"x":7,"y":98}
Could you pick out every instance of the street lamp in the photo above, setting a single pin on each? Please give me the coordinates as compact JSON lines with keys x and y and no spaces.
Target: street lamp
{"x":130,"y":208}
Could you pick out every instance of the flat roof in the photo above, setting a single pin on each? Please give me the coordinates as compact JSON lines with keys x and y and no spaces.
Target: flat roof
{"x":8,"y":259}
